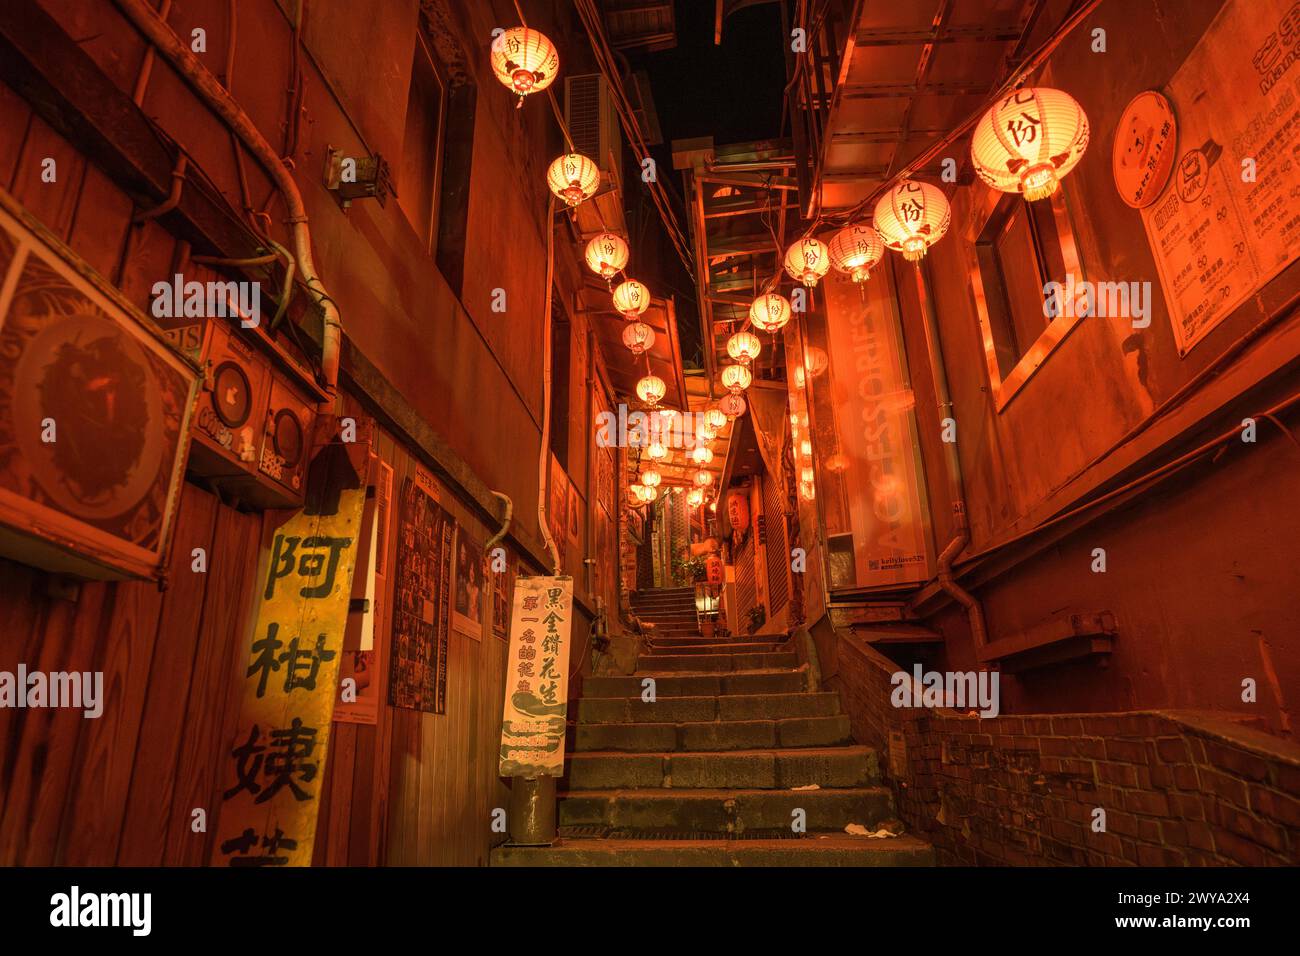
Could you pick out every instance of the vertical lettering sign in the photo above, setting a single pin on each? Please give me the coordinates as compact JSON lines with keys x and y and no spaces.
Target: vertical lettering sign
{"x":274,"y":770}
{"x":537,"y":678}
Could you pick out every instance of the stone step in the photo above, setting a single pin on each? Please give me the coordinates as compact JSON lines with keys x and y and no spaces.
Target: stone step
{"x":695,"y":685}
{"x":699,"y":640}
{"x":741,"y":769}
{"x":726,"y":811}
{"x":678,"y":710}
{"x":715,"y":735}
{"x":719,"y":662}
{"x":813,"y":850}
{"x":657,"y":649}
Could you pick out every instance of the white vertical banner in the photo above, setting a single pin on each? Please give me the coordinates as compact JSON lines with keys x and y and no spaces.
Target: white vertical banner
{"x":537,"y":678}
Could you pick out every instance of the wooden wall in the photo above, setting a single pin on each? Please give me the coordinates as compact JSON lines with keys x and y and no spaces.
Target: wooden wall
{"x":120,"y":789}
{"x":416,"y":788}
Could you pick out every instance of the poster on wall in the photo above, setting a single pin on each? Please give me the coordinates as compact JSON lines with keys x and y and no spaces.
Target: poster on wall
{"x":557,"y":508}
{"x":503,"y":589}
{"x":872,"y":417}
{"x":272,"y":776}
{"x":1230,"y":219}
{"x":417,"y":676}
{"x":537,"y":678}
{"x":468,"y":596}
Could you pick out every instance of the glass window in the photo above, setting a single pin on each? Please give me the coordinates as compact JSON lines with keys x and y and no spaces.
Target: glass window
{"x":417,"y":185}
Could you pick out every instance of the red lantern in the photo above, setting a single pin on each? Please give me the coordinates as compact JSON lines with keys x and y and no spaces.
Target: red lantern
{"x":738,"y":509}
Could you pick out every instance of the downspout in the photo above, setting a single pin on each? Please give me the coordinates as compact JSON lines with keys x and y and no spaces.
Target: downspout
{"x":947,"y":580}
{"x":543,"y":451}
{"x":214,"y":94}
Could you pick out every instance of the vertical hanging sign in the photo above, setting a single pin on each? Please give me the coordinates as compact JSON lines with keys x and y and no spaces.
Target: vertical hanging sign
{"x":274,"y":771}
{"x":537,"y":678}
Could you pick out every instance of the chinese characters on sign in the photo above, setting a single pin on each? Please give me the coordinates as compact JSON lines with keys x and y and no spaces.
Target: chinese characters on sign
{"x":1230,"y":220}
{"x":274,"y":769}
{"x":537,"y":679}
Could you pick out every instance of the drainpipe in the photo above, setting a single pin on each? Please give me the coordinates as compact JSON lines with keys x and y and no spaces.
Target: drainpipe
{"x":947,"y":580}
{"x":161,"y":37}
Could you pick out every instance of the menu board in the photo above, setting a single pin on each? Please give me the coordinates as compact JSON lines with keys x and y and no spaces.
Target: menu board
{"x":1229,"y":220}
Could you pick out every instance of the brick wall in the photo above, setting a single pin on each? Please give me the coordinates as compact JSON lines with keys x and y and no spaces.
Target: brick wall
{"x":1177,"y":788}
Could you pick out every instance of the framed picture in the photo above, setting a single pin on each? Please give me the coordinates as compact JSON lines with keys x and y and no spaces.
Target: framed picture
{"x":468,"y":596}
{"x":503,"y":590}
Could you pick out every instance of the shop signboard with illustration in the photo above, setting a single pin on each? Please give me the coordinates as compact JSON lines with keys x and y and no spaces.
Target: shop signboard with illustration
{"x":537,"y":678}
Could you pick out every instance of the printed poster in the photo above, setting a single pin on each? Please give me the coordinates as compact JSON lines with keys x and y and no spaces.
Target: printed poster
{"x":872,"y":415}
{"x":273,"y":772}
{"x":470,"y":593}
{"x":1229,"y":220}
{"x":537,"y":678}
{"x":417,"y":677}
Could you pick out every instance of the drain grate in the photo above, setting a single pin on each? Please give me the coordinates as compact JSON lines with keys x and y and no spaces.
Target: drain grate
{"x":630,"y":833}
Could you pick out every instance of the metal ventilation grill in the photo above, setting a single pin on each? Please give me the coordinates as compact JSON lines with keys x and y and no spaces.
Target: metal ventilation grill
{"x":584,"y":115}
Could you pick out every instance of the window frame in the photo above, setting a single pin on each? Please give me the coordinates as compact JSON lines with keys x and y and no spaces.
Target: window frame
{"x":422,"y":49}
{"x":991,"y":211}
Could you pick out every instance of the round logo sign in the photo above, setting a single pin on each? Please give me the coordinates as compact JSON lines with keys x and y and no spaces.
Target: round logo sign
{"x":1146,"y":142}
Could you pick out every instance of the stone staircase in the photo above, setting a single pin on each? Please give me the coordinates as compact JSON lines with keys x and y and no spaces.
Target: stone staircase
{"x":707,"y":774}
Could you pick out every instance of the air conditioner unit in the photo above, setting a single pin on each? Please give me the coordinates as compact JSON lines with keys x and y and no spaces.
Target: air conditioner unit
{"x":593,"y":123}
{"x":255,"y":420}
{"x":95,"y":411}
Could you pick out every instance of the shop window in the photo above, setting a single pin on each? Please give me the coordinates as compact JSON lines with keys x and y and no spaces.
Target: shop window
{"x":1019,"y":248}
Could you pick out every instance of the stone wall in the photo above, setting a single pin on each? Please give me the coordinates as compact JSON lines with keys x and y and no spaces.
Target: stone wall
{"x":1177,"y":788}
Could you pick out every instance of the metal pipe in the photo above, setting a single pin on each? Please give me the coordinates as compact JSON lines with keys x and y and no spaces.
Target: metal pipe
{"x":543,"y":451}
{"x":946,"y":579}
{"x":211,"y":91}
{"x":173,"y":194}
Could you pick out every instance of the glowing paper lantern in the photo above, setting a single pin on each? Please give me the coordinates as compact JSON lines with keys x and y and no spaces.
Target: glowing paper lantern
{"x":634,"y":491}
{"x":525,"y":61}
{"x":733,"y":405}
{"x":911,"y":217}
{"x":651,"y":389}
{"x":573,"y":177}
{"x":770,"y":312}
{"x":651,"y":478}
{"x":744,"y":347}
{"x":695,"y":497}
{"x":649,"y":494}
{"x":736,"y":378}
{"x":715,"y":417}
{"x":703,"y":478}
{"x":701,"y":455}
{"x":606,"y":255}
{"x":807,"y":260}
{"x":706,"y":433}
{"x":631,"y":298}
{"x":1029,"y":140}
{"x":815,"y":360}
{"x":656,"y":451}
{"x":854,"y":250}
{"x":638,"y":337}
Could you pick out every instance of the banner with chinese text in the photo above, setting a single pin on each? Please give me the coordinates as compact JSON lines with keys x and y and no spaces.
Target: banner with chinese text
{"x":537,"y":679}
{"x":275,"y":769}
